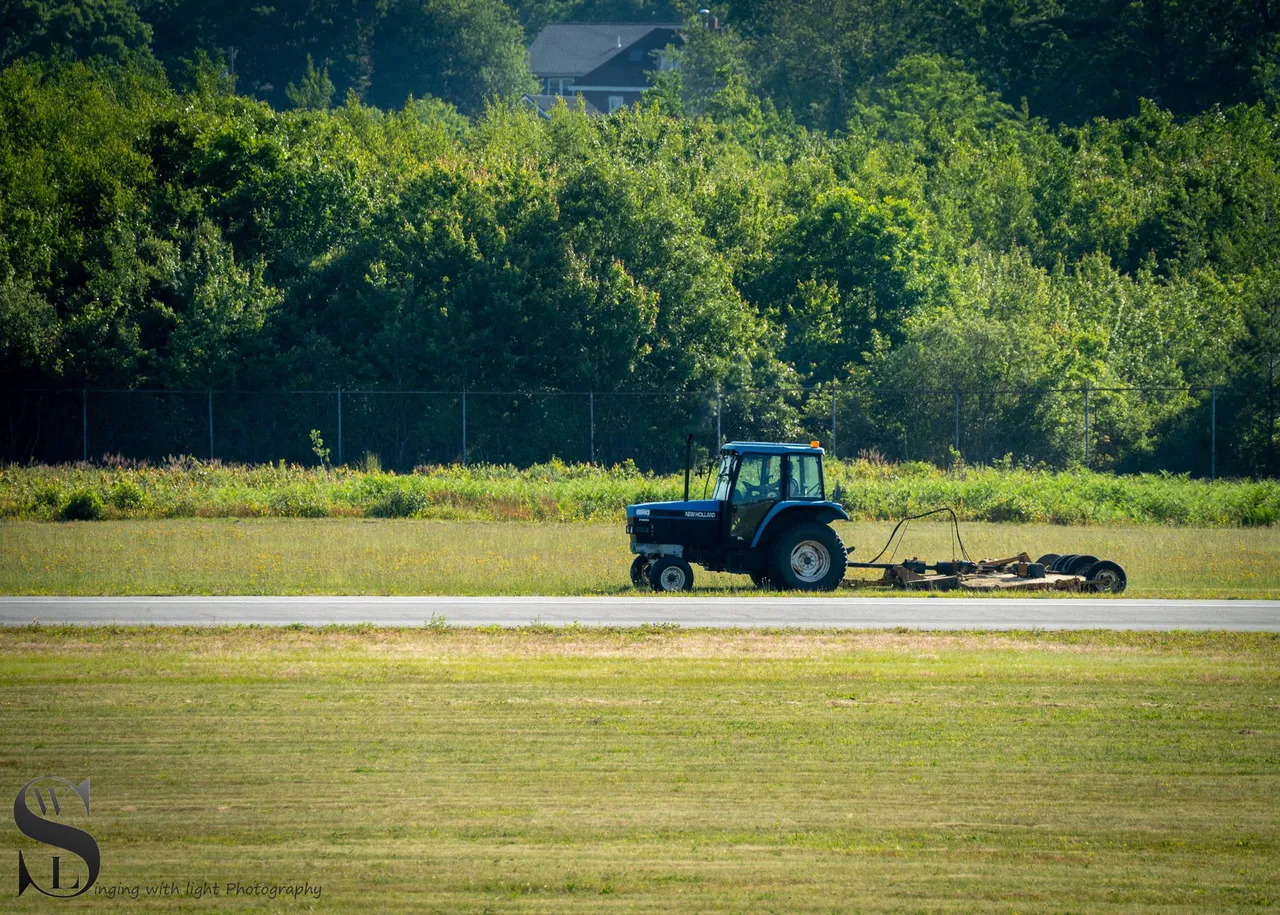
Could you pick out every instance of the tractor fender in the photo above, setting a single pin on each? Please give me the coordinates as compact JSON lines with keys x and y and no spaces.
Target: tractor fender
{"x":785,"y":514}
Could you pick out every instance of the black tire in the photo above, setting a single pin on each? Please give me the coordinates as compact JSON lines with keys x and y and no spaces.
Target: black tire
{"x":1047,"y":560}
{"x":1080,"y":565}
{"x":760,"y":580}
{"x":1107,"y":577}
{"x":640,"y":571}
{"x":807,"y":557}
{"x":670,"y":573}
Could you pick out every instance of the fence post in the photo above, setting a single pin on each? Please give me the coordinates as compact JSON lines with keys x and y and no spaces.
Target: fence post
{"x":1086,"y":425}
{"x":835,"y":392}
{"x":591,"y":408}
{"x":1213,"y":432}
{"x":211,"y":424}
{"x":339,"y":427}
{"x":464,"y":428}
{"x":84,"y":425}
{"x":957,"y":396}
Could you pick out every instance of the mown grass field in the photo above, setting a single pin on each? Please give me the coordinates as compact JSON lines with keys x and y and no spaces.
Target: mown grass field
{"x":871,"y":491}
{"x":574,"y":770}
{"x":351,"y":556}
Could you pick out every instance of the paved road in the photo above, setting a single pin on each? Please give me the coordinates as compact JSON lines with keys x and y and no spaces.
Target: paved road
{"x":825,"y":612}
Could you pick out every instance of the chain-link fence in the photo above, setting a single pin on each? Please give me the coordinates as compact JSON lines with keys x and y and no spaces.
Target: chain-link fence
{"x":1202,"y":431}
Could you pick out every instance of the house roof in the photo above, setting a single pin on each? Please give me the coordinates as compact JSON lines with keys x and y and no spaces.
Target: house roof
{"x":577,"y":48}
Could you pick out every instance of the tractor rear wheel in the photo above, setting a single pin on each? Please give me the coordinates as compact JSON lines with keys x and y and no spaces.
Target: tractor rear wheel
{"x":670,"y":573}
{"x":807,"y":557}
{"x":640,"y":571}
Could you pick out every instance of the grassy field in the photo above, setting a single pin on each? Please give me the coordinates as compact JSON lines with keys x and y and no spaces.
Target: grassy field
{"x":329,"y":556}
{"x":574,"y":770}
{"x":558,"y":492}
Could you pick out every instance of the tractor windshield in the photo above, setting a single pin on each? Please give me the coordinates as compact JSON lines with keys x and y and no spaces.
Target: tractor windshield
{"x":728,"y":463}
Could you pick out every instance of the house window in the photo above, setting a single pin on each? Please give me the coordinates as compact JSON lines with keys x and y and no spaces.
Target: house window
{"x":615,"y":102}
{"x":636,"y":55}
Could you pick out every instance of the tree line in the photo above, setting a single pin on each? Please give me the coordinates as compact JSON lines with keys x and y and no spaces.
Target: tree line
{"x":1066,"y":62}
{"x":907,"y":226}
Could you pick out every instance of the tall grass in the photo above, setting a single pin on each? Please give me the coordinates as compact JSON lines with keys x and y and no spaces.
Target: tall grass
{"x":555,"y":491}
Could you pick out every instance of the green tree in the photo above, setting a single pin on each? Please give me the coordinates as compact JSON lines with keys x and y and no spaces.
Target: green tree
{"x":72,"y":29}
{"x":851,"y":271}
{"x":464,"y":51}
{"x":314,"y":91}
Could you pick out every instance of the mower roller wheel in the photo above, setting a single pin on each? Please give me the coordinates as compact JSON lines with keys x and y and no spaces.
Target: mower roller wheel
{"x":670,"y":573}
{"x":1080,"y":565}
{"x":1060,"y":564}
{"x":1047,"y":560}
{"x":1107,"y":577}
{"x":640,"y":571}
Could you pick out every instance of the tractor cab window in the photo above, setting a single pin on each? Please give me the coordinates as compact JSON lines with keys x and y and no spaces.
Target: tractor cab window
{"x":758,"y":487}
{"x":759,"y":478}
{"x":725,"y":480}
{"x":805,"y":476}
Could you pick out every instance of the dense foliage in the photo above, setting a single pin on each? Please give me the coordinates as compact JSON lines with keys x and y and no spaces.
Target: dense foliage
{"x":880,"y":195}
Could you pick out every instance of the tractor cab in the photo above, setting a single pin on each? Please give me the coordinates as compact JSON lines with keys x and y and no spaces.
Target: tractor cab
{"x":767,"y":517}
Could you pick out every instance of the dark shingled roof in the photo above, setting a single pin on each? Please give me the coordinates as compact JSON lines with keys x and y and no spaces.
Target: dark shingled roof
{"x":577,"y":48}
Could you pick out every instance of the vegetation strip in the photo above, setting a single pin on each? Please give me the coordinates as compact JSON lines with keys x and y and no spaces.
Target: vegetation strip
{"x":872,"y":490}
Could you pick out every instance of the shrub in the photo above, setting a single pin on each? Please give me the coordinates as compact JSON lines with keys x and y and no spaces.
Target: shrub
{"x":125,"y":495}
{"x":84,"y":505}
{"x":48,"y":496}
{"x":296,"y":502}
{"x":398,"y":503}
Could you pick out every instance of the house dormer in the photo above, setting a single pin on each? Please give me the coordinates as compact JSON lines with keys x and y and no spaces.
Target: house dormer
{"x":606,"y":63}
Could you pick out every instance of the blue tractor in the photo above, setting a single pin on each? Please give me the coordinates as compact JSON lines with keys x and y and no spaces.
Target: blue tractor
{"x":768,"y":518}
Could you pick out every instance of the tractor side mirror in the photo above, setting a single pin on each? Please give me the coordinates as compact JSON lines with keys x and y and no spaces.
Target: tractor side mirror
{"x":837,"y":494}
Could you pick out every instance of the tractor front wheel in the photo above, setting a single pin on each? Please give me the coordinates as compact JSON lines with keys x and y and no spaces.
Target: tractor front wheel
{"x":670,"y":573}
{"x":640,"y":571}
{"x":807,"y":557}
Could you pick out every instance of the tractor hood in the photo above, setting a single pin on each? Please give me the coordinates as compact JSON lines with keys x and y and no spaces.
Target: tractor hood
{"x":685,"y":524}
{"x":694,"y":508}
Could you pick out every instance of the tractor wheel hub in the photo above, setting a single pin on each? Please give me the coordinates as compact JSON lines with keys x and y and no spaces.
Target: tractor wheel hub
{"x":810,"y":560}
{"x":672,"y":579}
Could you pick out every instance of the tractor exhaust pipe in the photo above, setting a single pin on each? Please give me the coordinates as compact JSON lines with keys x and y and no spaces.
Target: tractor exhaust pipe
{"x":688,"y":461}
